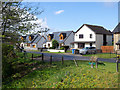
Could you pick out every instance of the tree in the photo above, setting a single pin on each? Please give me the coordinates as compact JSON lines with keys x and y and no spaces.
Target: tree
{"x":16,"y":17}
{"x":55,"y":43}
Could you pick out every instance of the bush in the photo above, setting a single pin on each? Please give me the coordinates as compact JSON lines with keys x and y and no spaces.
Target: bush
{"x":7,"y":69}
{"x":62,"y":48}
{"x":55,"y":44}
{"x":7,"y":51}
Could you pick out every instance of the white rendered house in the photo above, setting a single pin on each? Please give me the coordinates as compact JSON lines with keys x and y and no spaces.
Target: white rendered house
{"x":92,"y":35}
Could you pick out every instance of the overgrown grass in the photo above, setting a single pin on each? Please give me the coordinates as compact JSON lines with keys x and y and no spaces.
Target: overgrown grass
{"x":68,"y":76}
{"x":102,"y":55}
{"x":21,"y":65}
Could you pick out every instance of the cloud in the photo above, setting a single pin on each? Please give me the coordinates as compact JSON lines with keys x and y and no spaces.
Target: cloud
{"x":59,"y":12}
{"x":41,"y":22}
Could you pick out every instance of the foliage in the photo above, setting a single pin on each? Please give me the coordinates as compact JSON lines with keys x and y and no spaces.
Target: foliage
{"x":55,"y":44}
{"x":6,"y":49}
{"x":62,"y":48}
{"x":69,"y":76}
{"x":13,"y":63}
{"x":17,"y":17}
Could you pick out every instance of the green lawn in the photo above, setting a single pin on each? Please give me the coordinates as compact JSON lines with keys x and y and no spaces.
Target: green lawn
{"x":102,"y":55}
{"x":68,"y":76}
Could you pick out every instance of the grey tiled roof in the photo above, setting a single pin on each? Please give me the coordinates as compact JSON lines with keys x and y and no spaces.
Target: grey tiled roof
{"x":36,"y":39}
{"x":117,"y":29}
{"x":33,"y":38}
{"x":56,"y":35}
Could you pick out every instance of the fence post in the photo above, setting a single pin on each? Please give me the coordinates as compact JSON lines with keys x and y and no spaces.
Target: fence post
{"x":42,"y":57}
{"x":117,"y":65}
{"x":96,"y":63}
{"x":62,"y":60}
{"x":32,"y":57}
{"x":51,"y":59}
{"x":75,"y":63}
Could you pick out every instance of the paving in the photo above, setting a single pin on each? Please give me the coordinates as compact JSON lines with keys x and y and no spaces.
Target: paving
{"x":69,"y":56}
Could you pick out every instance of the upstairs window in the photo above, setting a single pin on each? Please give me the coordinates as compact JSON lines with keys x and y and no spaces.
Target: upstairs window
{"x":49,"y":37}
{"x":90,"y":35}
{"x":61,"y":36}
{"x":80,"y":35}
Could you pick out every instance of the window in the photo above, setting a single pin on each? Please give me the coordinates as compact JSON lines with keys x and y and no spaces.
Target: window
{"x":48,"y":45}
{"x":34,"y":46}
{"x":90,"y":35}
{"x":61,"y":37}
{"x":80,"y":35}
{"x":28,"y":44}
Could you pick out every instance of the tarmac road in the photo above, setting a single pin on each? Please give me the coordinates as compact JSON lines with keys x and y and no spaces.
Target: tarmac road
{"x":69,"y":56}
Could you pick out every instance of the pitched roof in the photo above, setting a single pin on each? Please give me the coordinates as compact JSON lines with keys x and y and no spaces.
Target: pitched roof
{"x":97,"y":29}
{"x":117,"y":28}
{"x":33,"y":38}
{"x":56,"y":35}
{"x":36,"y":39}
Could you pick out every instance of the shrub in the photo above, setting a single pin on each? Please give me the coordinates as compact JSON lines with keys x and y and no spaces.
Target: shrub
{"x":62,"y":48}
{"x":55,"y":44}
{"x":7,"y":51}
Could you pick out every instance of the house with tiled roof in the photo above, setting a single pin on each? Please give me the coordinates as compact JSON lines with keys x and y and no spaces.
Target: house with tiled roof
{"x":33,"y":41}
{"x":64,"y":39}
{"x":92,"y":36}
{"x":116,"y":36}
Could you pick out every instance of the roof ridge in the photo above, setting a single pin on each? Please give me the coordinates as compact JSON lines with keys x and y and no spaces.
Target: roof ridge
{"x":63,"y":31}
{"x":94,"y":25}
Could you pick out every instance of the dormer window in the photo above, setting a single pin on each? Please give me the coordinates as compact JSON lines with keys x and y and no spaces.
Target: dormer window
{"x":50,"y":37}
{"x":62,"y":36}
{"x":21,"y":38}
{"x":30,"y":38}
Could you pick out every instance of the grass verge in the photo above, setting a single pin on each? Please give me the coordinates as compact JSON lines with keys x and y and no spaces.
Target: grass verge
{"x":102,"y":55}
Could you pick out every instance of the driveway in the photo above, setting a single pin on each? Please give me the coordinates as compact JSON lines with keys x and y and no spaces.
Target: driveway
{"x":67,"y":56}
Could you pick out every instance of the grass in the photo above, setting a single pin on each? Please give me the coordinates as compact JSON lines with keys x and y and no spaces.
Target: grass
{"x":102,"y":55}
{"x":68,"y":76}
{"x":21,"y":66}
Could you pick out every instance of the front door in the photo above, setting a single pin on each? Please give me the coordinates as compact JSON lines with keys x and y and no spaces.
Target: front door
{"x":81,"y":45}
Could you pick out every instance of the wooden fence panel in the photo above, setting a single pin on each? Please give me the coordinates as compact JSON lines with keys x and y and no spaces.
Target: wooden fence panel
{"x":107,"y":49}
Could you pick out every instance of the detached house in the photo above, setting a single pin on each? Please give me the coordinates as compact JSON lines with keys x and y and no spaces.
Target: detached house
{"x":33,"y":42}
{"x":92,"y":35}
{"x":64,"y":38}
{"x":116,"y":36}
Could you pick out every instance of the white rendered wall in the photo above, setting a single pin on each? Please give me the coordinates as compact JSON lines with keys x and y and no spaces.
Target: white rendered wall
{"x":86,"y":34}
